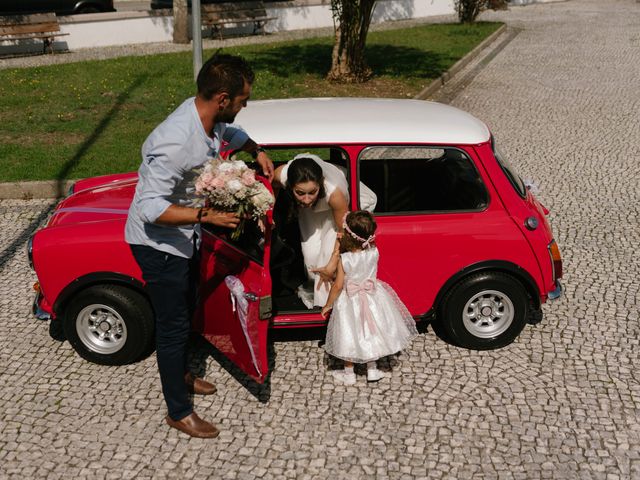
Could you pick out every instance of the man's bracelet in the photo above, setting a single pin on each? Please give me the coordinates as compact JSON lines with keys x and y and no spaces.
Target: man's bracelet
{"x":255,"y":153}
{"x":199,"y":216}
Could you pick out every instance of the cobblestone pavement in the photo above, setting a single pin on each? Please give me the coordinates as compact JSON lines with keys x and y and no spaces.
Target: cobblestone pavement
{"x":562,"y":402}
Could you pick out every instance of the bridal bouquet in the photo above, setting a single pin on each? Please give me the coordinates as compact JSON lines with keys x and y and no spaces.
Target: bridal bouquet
{"x":231,"y":186}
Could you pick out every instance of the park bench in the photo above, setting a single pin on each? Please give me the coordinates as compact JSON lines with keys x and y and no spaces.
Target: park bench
{"x":43,"y":26}
{"x":217,"y":16}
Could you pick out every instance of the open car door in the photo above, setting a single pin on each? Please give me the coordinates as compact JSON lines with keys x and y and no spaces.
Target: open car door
{"x":235,"y":295}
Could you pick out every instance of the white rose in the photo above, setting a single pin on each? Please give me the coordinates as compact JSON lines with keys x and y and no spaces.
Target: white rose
{"x":234,"y":185}
{"x":239,"y":165}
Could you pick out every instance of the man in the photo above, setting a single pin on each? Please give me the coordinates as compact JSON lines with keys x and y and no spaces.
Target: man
{"x":160,"y":226}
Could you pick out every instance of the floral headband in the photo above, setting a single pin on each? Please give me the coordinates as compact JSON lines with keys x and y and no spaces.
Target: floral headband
{"x":366,"y":242}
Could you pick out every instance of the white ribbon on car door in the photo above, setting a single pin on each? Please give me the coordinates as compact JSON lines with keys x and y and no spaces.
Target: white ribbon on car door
{"x":240,"y":306}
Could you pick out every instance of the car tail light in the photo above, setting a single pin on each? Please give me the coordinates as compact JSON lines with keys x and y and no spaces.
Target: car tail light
{"x":556,"y":260}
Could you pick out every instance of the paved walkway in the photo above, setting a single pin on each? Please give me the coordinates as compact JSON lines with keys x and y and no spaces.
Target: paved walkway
{"x":563,"y":402}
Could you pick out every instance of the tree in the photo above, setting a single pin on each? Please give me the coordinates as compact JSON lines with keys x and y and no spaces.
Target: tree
{"x":352,"y":19}
{"x":180,"y":21}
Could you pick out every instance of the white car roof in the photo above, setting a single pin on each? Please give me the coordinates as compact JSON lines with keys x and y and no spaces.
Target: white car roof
{"x":358,"y":120}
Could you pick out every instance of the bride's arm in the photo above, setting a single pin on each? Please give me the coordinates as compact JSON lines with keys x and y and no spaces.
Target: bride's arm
{"x":339,"y":206}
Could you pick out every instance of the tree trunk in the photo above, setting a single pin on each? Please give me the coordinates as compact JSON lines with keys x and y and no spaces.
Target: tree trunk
{"x":353,"y":18}
{"x":468,"y":10}
{"x":180,"y":21}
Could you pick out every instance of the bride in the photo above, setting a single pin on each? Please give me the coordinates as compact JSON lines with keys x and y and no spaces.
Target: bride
{"x":320,"y":195}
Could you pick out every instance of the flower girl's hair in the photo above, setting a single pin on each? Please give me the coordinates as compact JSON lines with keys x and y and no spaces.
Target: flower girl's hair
{"x":359,"y":231}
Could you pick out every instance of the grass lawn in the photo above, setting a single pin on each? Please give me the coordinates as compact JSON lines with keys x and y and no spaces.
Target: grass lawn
{"x":91,"y":118}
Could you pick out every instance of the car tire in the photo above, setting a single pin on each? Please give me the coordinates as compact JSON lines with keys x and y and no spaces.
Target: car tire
{"x":110,"y":325}
{"x":484,"y":311}
{"x":88,"y":9}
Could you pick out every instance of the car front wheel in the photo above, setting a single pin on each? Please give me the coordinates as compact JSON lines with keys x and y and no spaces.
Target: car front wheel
{"x":109,"y":325}
{"x":484,"y":311}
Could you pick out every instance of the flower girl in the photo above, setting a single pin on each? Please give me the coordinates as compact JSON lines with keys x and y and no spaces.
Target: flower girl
{"x":368,"y":320}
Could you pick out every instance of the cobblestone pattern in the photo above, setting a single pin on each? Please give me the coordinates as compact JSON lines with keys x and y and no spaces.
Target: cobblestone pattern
{"x":562,"y":402}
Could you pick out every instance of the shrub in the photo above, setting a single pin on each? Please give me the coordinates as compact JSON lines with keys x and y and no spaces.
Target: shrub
{"x":468,"y":10}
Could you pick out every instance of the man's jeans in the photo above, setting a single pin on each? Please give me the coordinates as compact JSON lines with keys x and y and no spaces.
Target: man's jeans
{"x":168,"y":283}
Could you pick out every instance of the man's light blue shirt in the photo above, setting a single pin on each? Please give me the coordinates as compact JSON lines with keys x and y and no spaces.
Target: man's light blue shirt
{"x":171,"y":155}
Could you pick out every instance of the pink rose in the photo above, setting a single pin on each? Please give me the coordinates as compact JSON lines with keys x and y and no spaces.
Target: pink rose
{"x":206,"y":178}
{"x":217,"y":182}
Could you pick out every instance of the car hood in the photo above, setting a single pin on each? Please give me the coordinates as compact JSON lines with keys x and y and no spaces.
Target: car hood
{"x":96,"y":204}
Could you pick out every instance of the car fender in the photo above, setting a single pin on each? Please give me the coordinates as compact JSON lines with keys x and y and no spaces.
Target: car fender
{"x":95,"y":278}
{"x":516,"y":271}
{"x":66,"y":253}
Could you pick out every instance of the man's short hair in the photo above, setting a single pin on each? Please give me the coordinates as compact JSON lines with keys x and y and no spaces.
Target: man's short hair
{"x":223,"y":73}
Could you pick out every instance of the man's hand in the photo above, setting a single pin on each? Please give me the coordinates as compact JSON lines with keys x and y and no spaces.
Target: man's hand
{"x":221,"y":219}
{"x":266,"y":164}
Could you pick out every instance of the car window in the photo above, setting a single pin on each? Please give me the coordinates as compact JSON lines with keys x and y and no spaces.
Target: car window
{"x":334,"y":155}
{"x":509,"y":171}
{"x":422,"y":179}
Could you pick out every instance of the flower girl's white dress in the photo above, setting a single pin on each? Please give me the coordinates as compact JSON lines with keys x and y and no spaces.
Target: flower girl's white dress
{"x":368,"y":320}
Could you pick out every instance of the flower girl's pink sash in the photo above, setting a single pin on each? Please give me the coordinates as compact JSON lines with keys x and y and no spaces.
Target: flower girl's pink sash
{"x":362,"y":289}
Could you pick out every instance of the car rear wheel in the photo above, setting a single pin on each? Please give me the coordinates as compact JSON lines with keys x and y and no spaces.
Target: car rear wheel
{"x":484,"y":311}
{"x":109,"y":325}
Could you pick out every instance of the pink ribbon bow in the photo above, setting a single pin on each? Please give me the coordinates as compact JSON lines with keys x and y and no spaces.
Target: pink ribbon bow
{"x":362,"y":289}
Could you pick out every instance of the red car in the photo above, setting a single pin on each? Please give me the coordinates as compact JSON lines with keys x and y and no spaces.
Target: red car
{"x":462,"y":240}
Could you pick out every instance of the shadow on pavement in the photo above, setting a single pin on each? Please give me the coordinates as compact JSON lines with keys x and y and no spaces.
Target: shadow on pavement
{"x":200,"y":350}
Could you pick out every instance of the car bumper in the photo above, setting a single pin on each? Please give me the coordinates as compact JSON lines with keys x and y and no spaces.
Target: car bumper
{"x":557,"y":292}
{"x":38,"y":312}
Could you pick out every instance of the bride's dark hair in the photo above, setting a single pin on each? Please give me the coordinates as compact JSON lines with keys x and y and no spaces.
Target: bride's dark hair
{"x":301,"y":170}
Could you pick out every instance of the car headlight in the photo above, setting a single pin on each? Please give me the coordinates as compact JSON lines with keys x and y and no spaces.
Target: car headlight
{"x":30,"y":251}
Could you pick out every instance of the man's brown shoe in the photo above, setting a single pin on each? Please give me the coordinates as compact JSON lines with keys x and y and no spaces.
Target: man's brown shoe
{"x":199,"y":386}
{"x":194,"y":426}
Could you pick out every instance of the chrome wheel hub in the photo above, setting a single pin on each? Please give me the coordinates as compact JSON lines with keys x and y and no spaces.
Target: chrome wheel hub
{"x":101,"y":329}
{"x":488,"y":314}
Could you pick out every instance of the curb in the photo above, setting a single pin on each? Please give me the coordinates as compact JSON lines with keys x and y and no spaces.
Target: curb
{"x":59,"y":188}
{"x":439,"y":82}
{"x":39,"y":189}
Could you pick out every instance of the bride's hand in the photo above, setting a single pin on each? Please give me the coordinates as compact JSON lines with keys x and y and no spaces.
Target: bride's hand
{"x":326,"y":276}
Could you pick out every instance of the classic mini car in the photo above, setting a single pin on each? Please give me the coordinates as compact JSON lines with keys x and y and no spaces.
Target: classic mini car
{"x":462,"y":240}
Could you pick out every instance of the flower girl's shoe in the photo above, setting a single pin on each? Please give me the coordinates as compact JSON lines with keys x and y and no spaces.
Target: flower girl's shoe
{"x":344,"y":377}
{"x":373,"y":374}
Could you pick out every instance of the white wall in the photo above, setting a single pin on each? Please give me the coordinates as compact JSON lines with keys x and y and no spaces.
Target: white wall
{"x":116,"y":29}
{"x":405,"y":9}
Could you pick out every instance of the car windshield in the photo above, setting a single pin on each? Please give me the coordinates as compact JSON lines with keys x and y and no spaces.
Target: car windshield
{"x":509,"y":171}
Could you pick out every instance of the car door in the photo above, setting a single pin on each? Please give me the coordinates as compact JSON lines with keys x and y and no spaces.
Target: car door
{"x":235,"y":296}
